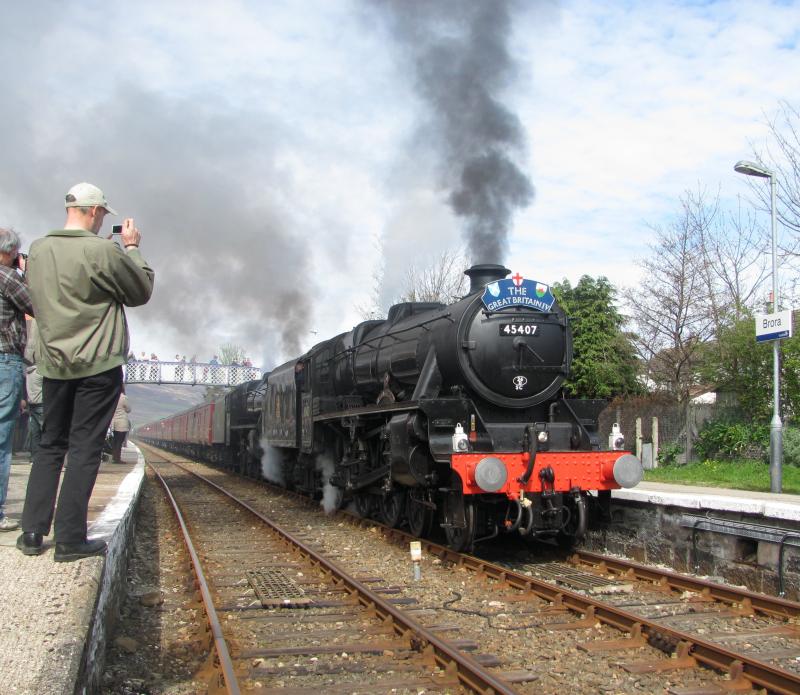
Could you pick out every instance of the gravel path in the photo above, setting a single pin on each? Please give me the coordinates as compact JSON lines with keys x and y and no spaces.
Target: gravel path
{"x":159,"y":644}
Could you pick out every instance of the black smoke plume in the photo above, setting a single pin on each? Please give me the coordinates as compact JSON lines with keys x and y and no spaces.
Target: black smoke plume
{"x":461,"y":60}
{"x":202,"y":187}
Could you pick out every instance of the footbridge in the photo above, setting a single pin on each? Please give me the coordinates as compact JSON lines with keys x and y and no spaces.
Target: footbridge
{"x":192,"y":374}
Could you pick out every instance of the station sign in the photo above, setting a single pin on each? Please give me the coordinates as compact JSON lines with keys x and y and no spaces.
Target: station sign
{"x":773,"y":326}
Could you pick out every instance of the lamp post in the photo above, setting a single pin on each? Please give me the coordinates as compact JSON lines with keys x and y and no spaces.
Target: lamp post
{"x":775,"y":430}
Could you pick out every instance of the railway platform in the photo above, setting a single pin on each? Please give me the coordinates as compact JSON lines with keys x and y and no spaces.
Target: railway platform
{"x":702,"y":499}
{"x":746,"y":538}
{"x":55,"y":616}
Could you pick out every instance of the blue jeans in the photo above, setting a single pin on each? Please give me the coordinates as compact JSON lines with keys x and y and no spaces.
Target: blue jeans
{"x":11,"y":377}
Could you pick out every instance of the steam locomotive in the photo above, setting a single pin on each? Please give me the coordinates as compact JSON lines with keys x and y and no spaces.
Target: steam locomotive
{"x":451,"y":414}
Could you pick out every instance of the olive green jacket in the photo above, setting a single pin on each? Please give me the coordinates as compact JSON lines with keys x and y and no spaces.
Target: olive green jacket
{"x":79,"y":283}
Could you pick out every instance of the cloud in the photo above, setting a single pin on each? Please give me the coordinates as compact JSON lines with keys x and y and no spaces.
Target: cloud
{"x":262,"y":148}
{"x":627,"y":106}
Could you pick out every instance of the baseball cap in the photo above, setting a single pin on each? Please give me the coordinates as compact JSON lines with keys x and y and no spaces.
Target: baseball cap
{"x":85,"y":195}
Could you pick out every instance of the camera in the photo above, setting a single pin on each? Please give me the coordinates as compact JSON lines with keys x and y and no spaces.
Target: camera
{"x":116,"y":229}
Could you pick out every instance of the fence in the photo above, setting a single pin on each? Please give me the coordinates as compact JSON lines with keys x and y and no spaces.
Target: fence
{"x":658,"y":422}
{"x":193,"y":374}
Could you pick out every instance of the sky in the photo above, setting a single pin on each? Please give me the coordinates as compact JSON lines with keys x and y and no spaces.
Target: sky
{"x":279,"y":157}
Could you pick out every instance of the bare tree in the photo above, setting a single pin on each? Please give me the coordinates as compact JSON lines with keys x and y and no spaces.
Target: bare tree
{"x":781,"y":154}
{"x":703,"y":276}
{"x":671,"y":307}
{"x":230,"y":353}
{"x":733,"y":260}
{"x":672,"y":311}
{"x":733,"y":265}
{"x":373,"y":308}
{"x":441,"y":281}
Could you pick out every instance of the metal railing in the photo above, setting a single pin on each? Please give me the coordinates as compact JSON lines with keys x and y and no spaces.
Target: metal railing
{"x":192,"y":374}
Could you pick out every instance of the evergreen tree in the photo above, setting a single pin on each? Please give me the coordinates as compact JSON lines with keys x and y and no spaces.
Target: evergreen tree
{"x":604,"y":362}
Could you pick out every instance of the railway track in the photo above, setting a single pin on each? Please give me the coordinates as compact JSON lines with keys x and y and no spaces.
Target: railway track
{"x":350,"y":636}
{"x":695,"y":623}
{"x":754,"y":638}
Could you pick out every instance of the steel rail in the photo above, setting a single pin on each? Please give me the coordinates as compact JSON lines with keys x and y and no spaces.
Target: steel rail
{"x":468,"y":671}
{"x":771,"y":605}
{"x":220,"y":645}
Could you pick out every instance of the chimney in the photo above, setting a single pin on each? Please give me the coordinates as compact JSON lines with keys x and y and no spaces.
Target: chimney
{"x":484,"y":273}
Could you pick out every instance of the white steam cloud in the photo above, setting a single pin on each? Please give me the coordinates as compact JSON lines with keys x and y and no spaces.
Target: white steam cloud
{"x":331,"y":495}
{"x":272,"y":464}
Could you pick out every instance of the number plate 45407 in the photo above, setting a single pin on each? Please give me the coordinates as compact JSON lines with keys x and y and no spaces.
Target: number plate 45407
{"x":528,"y":329}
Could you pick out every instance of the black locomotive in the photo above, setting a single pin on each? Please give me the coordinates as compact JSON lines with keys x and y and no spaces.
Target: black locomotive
{"x":442,"y":413}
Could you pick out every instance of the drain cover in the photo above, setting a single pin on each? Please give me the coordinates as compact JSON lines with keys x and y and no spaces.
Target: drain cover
{"x":275,"y":590}
{"x":578,"y":579}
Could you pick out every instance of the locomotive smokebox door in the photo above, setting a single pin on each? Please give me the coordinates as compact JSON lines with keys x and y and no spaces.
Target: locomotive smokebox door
{"x":516,"y":348}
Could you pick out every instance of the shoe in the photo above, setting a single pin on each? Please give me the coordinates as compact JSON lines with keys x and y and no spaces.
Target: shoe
{"x":68,"y":552}
{"x":30,"y":543}
{"x":7,"y":524}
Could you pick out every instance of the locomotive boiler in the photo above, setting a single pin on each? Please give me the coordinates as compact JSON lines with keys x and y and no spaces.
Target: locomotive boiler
{"x":451,"y":414}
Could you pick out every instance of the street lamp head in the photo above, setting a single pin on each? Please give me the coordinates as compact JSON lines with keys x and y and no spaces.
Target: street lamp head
{"x":752,"y":169}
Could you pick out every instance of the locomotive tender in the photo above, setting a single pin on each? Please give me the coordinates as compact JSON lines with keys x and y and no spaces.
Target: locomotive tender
{"x":449,"y":413}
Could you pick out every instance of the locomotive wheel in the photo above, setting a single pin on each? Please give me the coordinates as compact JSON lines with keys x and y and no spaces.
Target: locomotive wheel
{"x":365,"y":504}
{"x":392,"y":507}
{"x":461,"y":539}
{"x":420,"y":518}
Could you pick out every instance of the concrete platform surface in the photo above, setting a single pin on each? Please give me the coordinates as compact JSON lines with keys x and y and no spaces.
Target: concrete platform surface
{"x":768,"y":504}
{"x":54,"y":615}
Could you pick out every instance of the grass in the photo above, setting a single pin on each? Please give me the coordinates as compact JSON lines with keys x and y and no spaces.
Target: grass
{"x":745,"y":474}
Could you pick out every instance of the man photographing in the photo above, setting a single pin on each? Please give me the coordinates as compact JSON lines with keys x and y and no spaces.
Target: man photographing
{"x":79,"y":284}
